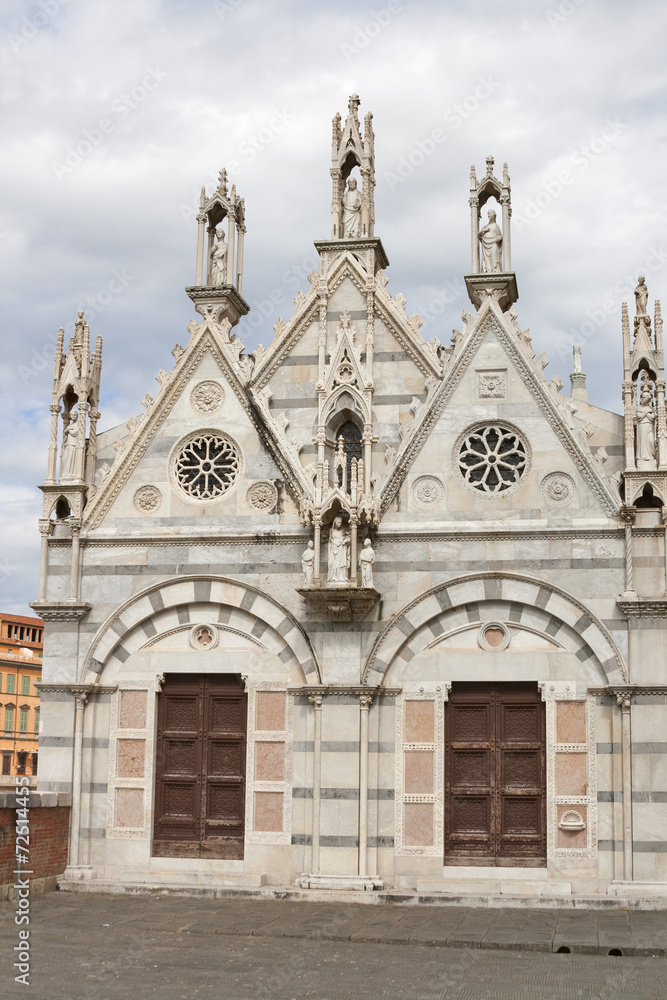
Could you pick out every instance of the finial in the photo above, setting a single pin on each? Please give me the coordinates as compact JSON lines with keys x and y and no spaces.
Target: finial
{"x":222,"y":183}
{"x":576,"y":355}
{"x":473,"y":176}
{"x":506,"y":176}
{"x":335,"y":129}
{"x":353,"y":104}
{"x":202,"y":197}
{"x":489,"y":166}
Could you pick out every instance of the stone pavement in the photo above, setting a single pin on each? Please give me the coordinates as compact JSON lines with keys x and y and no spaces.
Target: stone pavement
{"x":103,"y":947}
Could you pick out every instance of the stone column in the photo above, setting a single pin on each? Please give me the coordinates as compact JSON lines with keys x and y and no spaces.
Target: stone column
{"x":624,"y":699}
{"x":53,"y":445}
{"x":74,"y":564}
{"x":664,"y":521}
{"x":239,"y":260}
{"x":316,"y":701}
{"x":79,"y":467}
{"x":231,"y":246}
{"x":80,"y":699}
{"x":474,"y":233}
{"x":628,"y":515}
{"x":317,"y":544}
{"x":364,"y":706}
{"x":354,"y":523}
{"x":91,"y":453}
{"x":45,"y":531}
{"x":661,"y":423}
{"x":629,"y":403}
{"x":507,"y":243}
{"x":199,"y":272}
{"x":209,"y":246}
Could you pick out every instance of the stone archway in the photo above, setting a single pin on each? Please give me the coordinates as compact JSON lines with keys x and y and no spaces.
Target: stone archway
{"x":169,"y":604}
{"x":540,"y":606}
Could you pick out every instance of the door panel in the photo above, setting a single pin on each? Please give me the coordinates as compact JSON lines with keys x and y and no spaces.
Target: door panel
{"x":200,"y":777}
{"x":495,"y":797}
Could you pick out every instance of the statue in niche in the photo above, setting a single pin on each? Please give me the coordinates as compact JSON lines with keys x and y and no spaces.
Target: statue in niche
{"x":338,"y":563}
{"x":68,"y":454}
{"x":219,"y":259}
{"x":351,"y":211}
{"x":366,"y":560}
{"x":491,"y":239}
{"x":645,"y":417}
{"x":308,"y":564}
{"x":641,"y":297}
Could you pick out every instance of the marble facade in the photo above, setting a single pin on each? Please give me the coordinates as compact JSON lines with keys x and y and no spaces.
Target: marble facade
{"x":515,"y":536}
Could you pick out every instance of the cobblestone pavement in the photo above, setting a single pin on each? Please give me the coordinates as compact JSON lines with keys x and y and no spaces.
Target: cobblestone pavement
{"x":102,"y":947}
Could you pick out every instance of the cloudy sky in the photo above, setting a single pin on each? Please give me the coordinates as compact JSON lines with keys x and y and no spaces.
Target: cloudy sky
{"x":115,"y":113}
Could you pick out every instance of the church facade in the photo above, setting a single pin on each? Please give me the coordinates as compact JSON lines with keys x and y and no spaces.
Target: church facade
{"x":358,"y":610}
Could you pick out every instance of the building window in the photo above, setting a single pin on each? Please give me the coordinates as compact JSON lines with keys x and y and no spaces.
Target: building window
{"x":492,"y":458}
{"x":11,"y":683}
{"x":352,"y":448}
{"x":21,"y":758}
{"x":34,"y":762}
{"x":36,"y":720}
{"x":207,"y":466}
{"x":23,"y":719}
{"x":0,"y":682}
{"x":25,"y":684}
{"x":7,"y":762}
{"x":9,"y":718}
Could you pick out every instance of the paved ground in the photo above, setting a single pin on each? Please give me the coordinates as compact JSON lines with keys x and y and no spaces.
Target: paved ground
{"x":101,"y":947}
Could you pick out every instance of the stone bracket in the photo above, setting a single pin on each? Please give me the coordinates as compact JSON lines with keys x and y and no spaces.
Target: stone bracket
{"x":61,"y":611}
{"x":643,"y":607}
{"x":340,"y":604}
{"x":501,"y":286}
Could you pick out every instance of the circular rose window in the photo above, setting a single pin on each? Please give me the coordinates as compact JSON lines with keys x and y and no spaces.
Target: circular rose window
{"x":207,"y":466}
{"x":492,"y":458}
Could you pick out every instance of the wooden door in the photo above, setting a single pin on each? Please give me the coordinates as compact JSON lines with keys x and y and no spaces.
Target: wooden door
{"x":200,"y":771}
{"x":495,"y":786}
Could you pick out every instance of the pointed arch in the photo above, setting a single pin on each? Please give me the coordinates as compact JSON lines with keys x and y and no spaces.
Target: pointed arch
{"x":545,"y":608}
{"x":168,"y":604}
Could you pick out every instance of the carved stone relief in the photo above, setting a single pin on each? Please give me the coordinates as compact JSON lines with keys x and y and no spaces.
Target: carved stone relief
{"x":262,"y":496}
{"x":147,"y":499}
{"x":427,"y":492}
{"x":206,"y":397}
{"x":492,"y":385}
{"x":558,"y":489}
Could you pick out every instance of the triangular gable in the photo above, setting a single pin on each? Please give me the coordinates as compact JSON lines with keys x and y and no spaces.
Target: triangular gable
{"x":517,"y":347}
{"x":227,"y":352}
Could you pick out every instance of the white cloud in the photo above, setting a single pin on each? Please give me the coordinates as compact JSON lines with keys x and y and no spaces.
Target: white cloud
{"x":218,"y":76}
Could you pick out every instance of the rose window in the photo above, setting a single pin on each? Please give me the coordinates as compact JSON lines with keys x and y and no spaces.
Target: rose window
{"x":207,"y":466}
{"x":492,"y":458}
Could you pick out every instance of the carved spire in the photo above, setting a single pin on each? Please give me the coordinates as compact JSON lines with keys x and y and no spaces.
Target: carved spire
{"x":352,"y":210}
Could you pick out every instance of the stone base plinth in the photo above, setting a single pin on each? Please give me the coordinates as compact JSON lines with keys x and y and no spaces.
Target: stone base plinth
{"x":501,"y":286}
{"x":218,"y":301}
{"x":361,"y":883}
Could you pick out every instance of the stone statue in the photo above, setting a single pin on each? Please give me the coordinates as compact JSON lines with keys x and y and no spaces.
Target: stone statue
{"x":491,"y":239}
{"x":351,"y":211}
{"x":646,"y":454}
{"x":68,"y":454}
{"x":366,"y":560}
{"x":576,"y":354}
{"x":308,"y":564}
{"x":641,"y":297}
{"x":338,"y":564}
{"x":219,"y":260}
{"x":79,"y":327}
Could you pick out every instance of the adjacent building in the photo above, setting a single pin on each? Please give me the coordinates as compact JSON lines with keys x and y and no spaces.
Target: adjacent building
{"x":360,"y":608}
{"x":21,"y":645}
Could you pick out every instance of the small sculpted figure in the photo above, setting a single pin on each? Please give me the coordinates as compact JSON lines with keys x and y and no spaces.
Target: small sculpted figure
{"x":646,"y":455}
{"x":351,"y":211}
{"x":491,"y":239}
{"x":366,"y":560}
{"x":68,"y":454}
{"x":219,"y":260}
{"x":641,"y":297}
{"x":338,"y":566}
{"x":308,"y":564}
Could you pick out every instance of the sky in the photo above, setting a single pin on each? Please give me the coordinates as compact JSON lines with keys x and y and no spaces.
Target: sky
{"x":115,"y":114}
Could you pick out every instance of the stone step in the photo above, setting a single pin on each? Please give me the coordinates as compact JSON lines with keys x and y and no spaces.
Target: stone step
{"x":494,"y":887}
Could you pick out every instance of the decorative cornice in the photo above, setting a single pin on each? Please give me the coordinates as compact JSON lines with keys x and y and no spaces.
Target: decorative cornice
{"x":61,"y":611}
{"x":643,"y":607}
{"x":77,"y":690}
{"x":334,"y":690}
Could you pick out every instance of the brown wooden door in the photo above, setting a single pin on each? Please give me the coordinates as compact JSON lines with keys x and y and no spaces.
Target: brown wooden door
{"x":495,"y":795}
{"x":200,"y":775}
